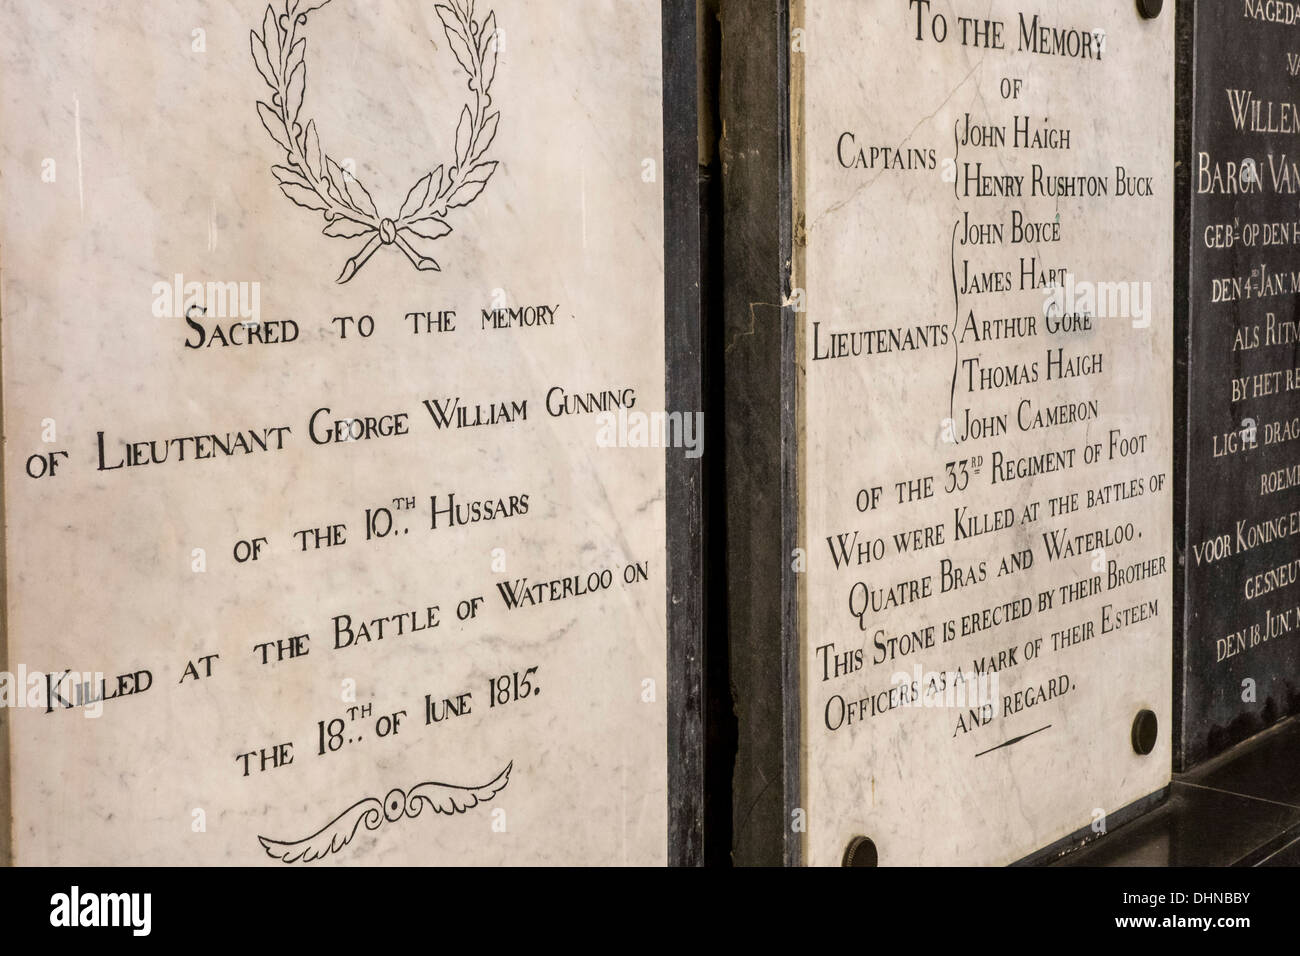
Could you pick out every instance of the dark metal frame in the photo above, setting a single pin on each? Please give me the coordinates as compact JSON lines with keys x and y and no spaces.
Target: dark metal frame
{"x":683,"y":331}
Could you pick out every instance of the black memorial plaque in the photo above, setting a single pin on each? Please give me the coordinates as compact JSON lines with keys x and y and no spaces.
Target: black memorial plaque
{"x":1239,"y":391}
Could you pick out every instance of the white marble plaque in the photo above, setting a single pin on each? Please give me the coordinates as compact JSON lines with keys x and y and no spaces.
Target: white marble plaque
{"x":983,"y":225}
{"x":319,"y":544}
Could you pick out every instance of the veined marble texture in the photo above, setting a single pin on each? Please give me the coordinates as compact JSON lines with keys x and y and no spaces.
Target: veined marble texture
{"x":985,"y":464}
{"x":348,"y":560}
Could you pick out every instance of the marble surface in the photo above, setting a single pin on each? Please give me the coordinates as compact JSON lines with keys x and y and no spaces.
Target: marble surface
{"x":947,"y":425}
{"x":133,"y":152}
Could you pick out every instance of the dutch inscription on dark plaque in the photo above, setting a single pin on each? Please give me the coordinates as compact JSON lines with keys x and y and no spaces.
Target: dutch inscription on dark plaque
{"x":1240,"y":661}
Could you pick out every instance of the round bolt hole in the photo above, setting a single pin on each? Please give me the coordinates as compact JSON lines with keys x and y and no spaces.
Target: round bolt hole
{"x":861,"y":852}
{"x":1150,"y":8}
{"x":1145,"y":731}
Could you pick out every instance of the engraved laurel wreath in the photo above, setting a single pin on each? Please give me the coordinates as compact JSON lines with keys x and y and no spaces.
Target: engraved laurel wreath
{"x":313,"y":180}
{"x":334,"y":836}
